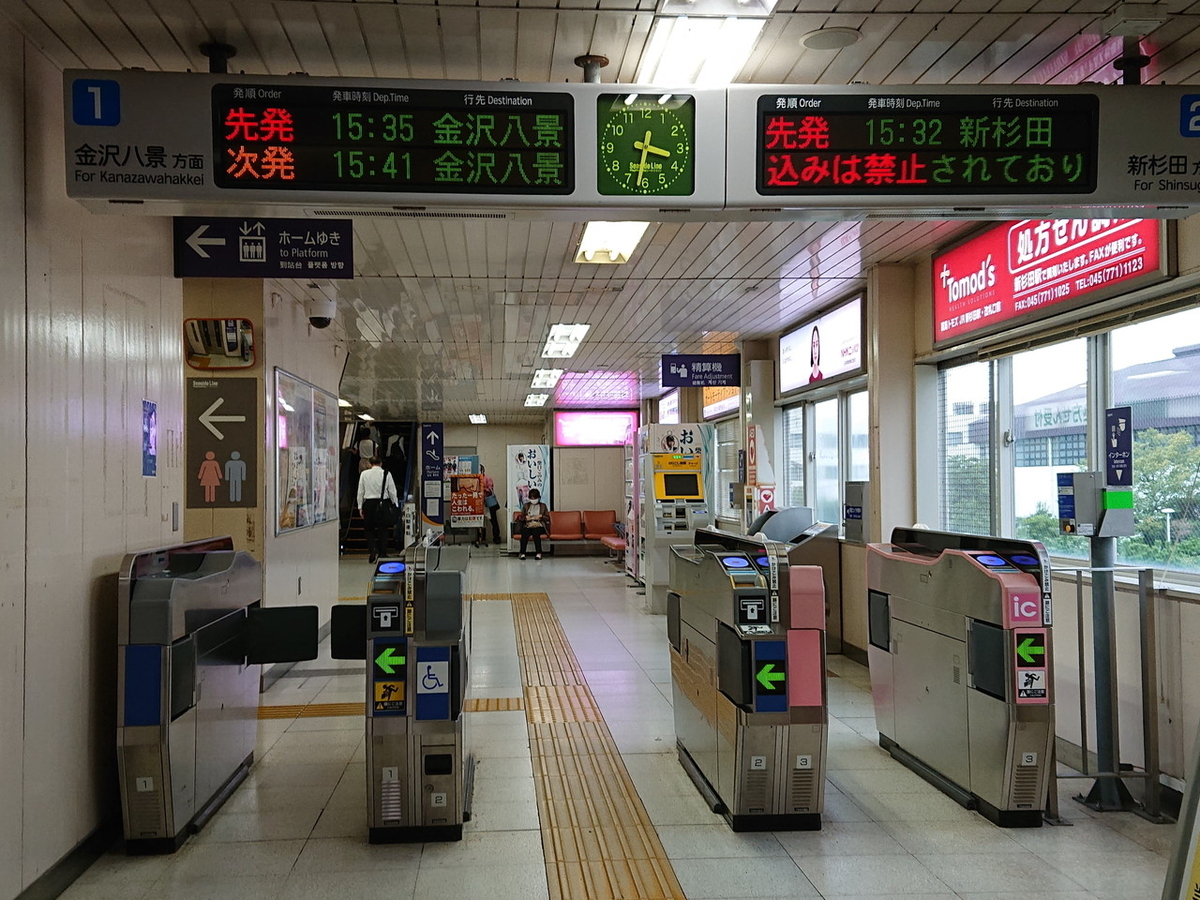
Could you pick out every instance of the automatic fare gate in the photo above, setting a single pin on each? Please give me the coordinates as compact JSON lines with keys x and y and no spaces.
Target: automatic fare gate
{"x":414,"y":634}
{"x":747,"y":634}
{"x":192,"y":636}
{"x":961,"y":666}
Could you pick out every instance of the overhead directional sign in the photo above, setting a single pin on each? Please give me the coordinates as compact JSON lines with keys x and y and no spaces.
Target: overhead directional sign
{"x":223,"y":439}
{"x":702,"y":370}
{"x":758,"y":151}
{"x":263,"y":248}
{"x":433,"y":501}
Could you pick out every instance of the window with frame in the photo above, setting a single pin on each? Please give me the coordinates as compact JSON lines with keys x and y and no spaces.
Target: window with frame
{"x":793,"y":456}
{"x":727,"y":465}
{"x":965,"y":452}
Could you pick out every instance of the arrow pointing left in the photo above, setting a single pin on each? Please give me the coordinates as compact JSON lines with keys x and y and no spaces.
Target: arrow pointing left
{"x":388,"y":660}
{"x":1026,"y":650}
{"x":207,"y":418}
{"x":768,"y":677}
{"x":197,"y":241}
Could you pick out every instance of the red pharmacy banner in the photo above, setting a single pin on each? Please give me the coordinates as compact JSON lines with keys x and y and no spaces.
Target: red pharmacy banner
{"x":1026,"y":270}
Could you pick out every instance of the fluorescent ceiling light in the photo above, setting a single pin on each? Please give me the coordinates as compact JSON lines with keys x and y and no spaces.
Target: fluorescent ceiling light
{"x":718,"y":8}
{"x":689,"y":50}
{"x":477,"y":418}
{"x":546,"y":378}
{"x":564,"y":340}
{"x":536,"y":399}
{"x":366,"y":418}
{"x":344,"y":404}
{"x":609,"y":242}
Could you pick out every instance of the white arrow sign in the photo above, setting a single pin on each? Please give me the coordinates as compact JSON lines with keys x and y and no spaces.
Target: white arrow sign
{"x":207,"y":418}
{"x":433,"y":437}
{"x":198,"y":242}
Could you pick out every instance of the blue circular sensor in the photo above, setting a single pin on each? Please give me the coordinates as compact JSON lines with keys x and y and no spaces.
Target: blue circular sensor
{"x":1024,"y":559}
{"x":391,"y":568}
{"x":736,"y":562}
{"x":989,"y":559}
{"x":763,"y":561}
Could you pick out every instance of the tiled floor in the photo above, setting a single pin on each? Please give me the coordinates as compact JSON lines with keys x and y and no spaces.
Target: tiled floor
{"x":296,"y":829}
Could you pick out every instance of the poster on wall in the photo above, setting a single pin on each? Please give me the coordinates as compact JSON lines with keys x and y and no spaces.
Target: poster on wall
{"x":293,"y":452}
{"x":324,"y":457}
{"x":149,"y":438}
{"x":464,"y":486}
{"x":528,"y":468}
{"x":822,"y":348}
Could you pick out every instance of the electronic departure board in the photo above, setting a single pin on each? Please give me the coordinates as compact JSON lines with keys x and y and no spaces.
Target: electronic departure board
{"x":393,"y":139}
{"x":906,"y":144}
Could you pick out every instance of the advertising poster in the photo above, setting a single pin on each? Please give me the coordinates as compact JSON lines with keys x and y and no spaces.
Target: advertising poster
{"x":324,"y":457}
{"x":528,"y":468}
{"x":822,"y":348}
{"x":293,"y":438}
{"x":1027,"y":270}
{"x":464,"y":486}
{"x":149,"y":438}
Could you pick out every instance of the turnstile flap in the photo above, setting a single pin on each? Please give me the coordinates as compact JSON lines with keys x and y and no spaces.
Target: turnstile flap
{"x":443,"y":603}
{"x":348,"y":631}
{"x":281,"y":634}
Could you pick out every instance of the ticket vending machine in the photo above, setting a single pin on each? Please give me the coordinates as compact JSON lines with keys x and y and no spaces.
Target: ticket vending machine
{"x":414,"y":634}
{"x":675,"y":506}
{"x":192,"y":636}
{"x":747,"y":633}
{"x":961,"y":666}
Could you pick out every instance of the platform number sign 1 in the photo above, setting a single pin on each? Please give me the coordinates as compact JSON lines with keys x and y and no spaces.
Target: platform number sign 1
{"x":95,"y":101}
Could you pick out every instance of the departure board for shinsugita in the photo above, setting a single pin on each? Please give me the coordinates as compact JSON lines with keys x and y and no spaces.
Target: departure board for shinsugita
{"x":928,"y":144}
{"x":390,"y":139}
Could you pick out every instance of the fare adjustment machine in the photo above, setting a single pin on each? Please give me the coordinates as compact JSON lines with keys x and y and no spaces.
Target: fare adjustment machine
{"x":961,"y":666}
{"x":413,"y":633}
{"x":675,"y":507}
{"x":747,"y":634}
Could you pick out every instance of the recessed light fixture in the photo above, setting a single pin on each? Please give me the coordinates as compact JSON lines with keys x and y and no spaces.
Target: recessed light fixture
{"x":605,"y":243}
{"x":698,"y":50}
{"x":564,"y":340}
{"x":344,"y":404}
{"x":546,"y":378}
{"x":835,"y":38}
{"x":477,"y":418}
{"x":536,"y":399}
{"x":366,"y":418}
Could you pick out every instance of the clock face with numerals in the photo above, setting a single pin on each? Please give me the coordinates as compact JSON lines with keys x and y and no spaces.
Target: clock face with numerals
{"x":647,"y":146}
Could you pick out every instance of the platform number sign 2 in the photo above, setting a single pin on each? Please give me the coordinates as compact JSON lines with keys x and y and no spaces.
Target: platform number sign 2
{"x":1189,"y":115}
{"x":95,"y":101}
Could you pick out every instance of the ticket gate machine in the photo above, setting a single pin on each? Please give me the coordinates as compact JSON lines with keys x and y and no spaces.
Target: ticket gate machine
{"x":191,"y":637}
{"x":747,"y":633}
{"x":961,"y":666}
{"x":414,"y":633}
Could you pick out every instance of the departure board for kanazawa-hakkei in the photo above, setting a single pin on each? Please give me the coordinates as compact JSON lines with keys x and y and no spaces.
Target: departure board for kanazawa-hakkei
{"x":929,"y":144}
{"x":344,"y":138}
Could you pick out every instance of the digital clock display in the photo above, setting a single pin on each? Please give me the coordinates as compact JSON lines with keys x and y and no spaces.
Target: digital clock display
{"x":270,"y":137}
{"x":910,"y":144}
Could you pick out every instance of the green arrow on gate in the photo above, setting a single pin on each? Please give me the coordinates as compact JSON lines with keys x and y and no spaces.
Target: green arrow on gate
{"x":1026,"y":650}
{"x":388,"y":660}
{"x":767,"y":676}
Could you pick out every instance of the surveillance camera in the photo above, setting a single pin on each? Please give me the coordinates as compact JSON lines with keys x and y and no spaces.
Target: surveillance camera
{"x":320,"y":311}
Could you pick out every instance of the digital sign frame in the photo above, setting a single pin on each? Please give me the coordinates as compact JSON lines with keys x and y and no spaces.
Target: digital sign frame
{"x":824,"y":348}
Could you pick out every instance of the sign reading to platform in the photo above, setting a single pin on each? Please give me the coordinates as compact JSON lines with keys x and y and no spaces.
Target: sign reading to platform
{"x":263,"y":248}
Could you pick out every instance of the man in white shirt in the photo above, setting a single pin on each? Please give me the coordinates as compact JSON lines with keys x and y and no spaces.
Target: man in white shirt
{"x":374,"y":485}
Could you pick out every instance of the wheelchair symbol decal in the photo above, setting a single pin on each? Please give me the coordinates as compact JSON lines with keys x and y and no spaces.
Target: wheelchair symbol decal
{"x":430,"y":681}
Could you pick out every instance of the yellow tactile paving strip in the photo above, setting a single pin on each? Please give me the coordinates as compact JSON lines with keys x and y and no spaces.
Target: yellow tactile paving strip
{"x":598,"y":840}
{"x":494,"y":704}
{"x":312,"y":710}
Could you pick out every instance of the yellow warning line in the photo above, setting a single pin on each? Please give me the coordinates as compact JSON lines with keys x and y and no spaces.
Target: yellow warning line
{"x":351,"y":600}
{"x":312,"y":710}
{"x":598,"y":840}
{"x":494,"y":704}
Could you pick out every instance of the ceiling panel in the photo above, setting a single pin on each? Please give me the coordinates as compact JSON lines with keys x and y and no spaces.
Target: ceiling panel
{"x":447,"y":316}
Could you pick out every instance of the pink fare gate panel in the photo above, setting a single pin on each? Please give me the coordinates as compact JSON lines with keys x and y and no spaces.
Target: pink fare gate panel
{"x":805,"y":667}
{"x":808,"y":597}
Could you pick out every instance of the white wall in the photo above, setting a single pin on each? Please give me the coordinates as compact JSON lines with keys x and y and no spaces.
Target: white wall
{"x":300,"y":567}
{"x":92,"y":315}
{"x":12,"y":449}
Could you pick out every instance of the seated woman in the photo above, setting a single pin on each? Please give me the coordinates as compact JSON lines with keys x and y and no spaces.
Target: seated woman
{"x":534,"y":517}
